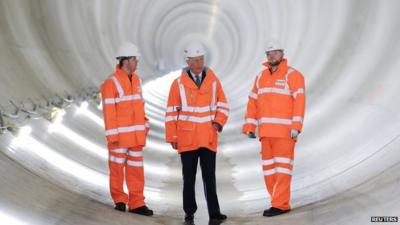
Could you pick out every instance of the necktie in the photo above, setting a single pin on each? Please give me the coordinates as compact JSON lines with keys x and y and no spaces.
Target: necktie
{"x":198,"y":80}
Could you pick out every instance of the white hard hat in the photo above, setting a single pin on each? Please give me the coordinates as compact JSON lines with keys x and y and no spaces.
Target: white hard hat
{"x":273,"y":45}
{"x":194,"y":49}
{"x":127,"y":49}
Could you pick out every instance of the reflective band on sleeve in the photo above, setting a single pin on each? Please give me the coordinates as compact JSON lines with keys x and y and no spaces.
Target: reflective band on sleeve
{"x":275,"y":120}
{"x":223,"y":104}
{"x":252,"y":121}
{"x":297,"y":119}
{"x":134,"y":163}
{"x":108,"y":101}
{"x":299,"y":91}
{"x":111,"y":132}
{"x":253,"y":95}
{"x":226,"y":112}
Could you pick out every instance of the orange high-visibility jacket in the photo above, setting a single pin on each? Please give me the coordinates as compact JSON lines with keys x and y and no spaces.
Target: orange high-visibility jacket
{"x":123,"y":109}
{"x":191,"y":111}
{"x":276,"y":102}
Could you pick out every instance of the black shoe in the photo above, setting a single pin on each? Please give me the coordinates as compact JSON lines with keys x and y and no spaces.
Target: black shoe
{"x":274,"y":212}
{"x":189,"y":217}
{"x":218,"y":217}
{"x":120,"y":206}
{"x":144,"y":211}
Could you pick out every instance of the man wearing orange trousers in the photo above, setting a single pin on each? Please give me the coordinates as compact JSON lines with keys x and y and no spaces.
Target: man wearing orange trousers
{"x":196,"y":111}
{"x":126,"y":130}
{"x":276,"y":106}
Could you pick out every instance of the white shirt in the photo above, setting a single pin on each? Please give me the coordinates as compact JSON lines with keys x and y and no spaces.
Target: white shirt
{"x":194,"y":76}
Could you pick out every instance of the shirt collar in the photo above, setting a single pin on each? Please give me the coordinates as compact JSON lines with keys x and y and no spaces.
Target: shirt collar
{"x":194,"y":75}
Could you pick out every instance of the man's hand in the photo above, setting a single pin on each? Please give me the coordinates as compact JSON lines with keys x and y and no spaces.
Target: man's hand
{"x":251,"y":135}
{"x":294,"y":133}
{"x":174,"y":145}
{"x":217,"y":126}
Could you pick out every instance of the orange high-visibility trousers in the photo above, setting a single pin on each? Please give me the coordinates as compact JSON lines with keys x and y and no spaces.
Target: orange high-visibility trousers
{"x":126,"y":164}
{"x":277,"y":155}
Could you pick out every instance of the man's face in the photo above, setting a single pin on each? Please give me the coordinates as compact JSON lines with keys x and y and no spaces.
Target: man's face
{"x":196,"y":64}
{"x":274,"y":57}
{"x":132,"y":63}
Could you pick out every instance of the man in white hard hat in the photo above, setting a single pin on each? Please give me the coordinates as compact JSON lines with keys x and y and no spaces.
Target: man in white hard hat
{"x":126,"y":131}
{"x":276,"y":105}
{"x":197,"y":111}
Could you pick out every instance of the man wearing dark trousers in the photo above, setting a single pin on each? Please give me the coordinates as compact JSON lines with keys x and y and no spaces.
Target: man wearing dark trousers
{"x":189,"y":168}
{"x":196,"y":112}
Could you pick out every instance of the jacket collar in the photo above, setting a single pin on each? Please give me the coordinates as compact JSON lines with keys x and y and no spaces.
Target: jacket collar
{"x":207,"y":80}
{"x":122,"y":74}
{"x":282,"y":67}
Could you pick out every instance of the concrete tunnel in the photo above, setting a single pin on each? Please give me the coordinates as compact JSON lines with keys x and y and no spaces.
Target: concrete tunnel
{"x":55,"y":54}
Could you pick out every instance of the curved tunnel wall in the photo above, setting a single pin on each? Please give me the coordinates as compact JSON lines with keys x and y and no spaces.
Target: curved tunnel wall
{"x":347,"y":50}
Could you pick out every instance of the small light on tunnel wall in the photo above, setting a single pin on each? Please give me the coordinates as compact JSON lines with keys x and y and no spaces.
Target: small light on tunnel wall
{"x":54,"y":125}
{"x":55,"y":114}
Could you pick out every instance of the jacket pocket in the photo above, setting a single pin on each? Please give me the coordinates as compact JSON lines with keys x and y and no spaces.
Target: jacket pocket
{"x":186,"y":130}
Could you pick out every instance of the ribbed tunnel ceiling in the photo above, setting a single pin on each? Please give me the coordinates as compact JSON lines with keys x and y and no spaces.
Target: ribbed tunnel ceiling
{"x":346,"y":157}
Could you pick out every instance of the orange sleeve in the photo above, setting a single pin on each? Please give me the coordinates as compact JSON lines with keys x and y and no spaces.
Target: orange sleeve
{"x":172,"y":112}
{"x":108,"y":95}
{"x":251,"y":121}
{"x":297,"y":88}
{"x":222,"y":111}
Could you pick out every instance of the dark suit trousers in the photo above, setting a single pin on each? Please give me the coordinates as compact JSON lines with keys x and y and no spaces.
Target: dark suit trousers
{"x":189,"y":169}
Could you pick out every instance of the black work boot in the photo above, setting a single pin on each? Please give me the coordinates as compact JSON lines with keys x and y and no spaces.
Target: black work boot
{"x":218,"y":217}
{"x":144,"y":211}
{"x":274,"y":212}
{"x":120,"y":206}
